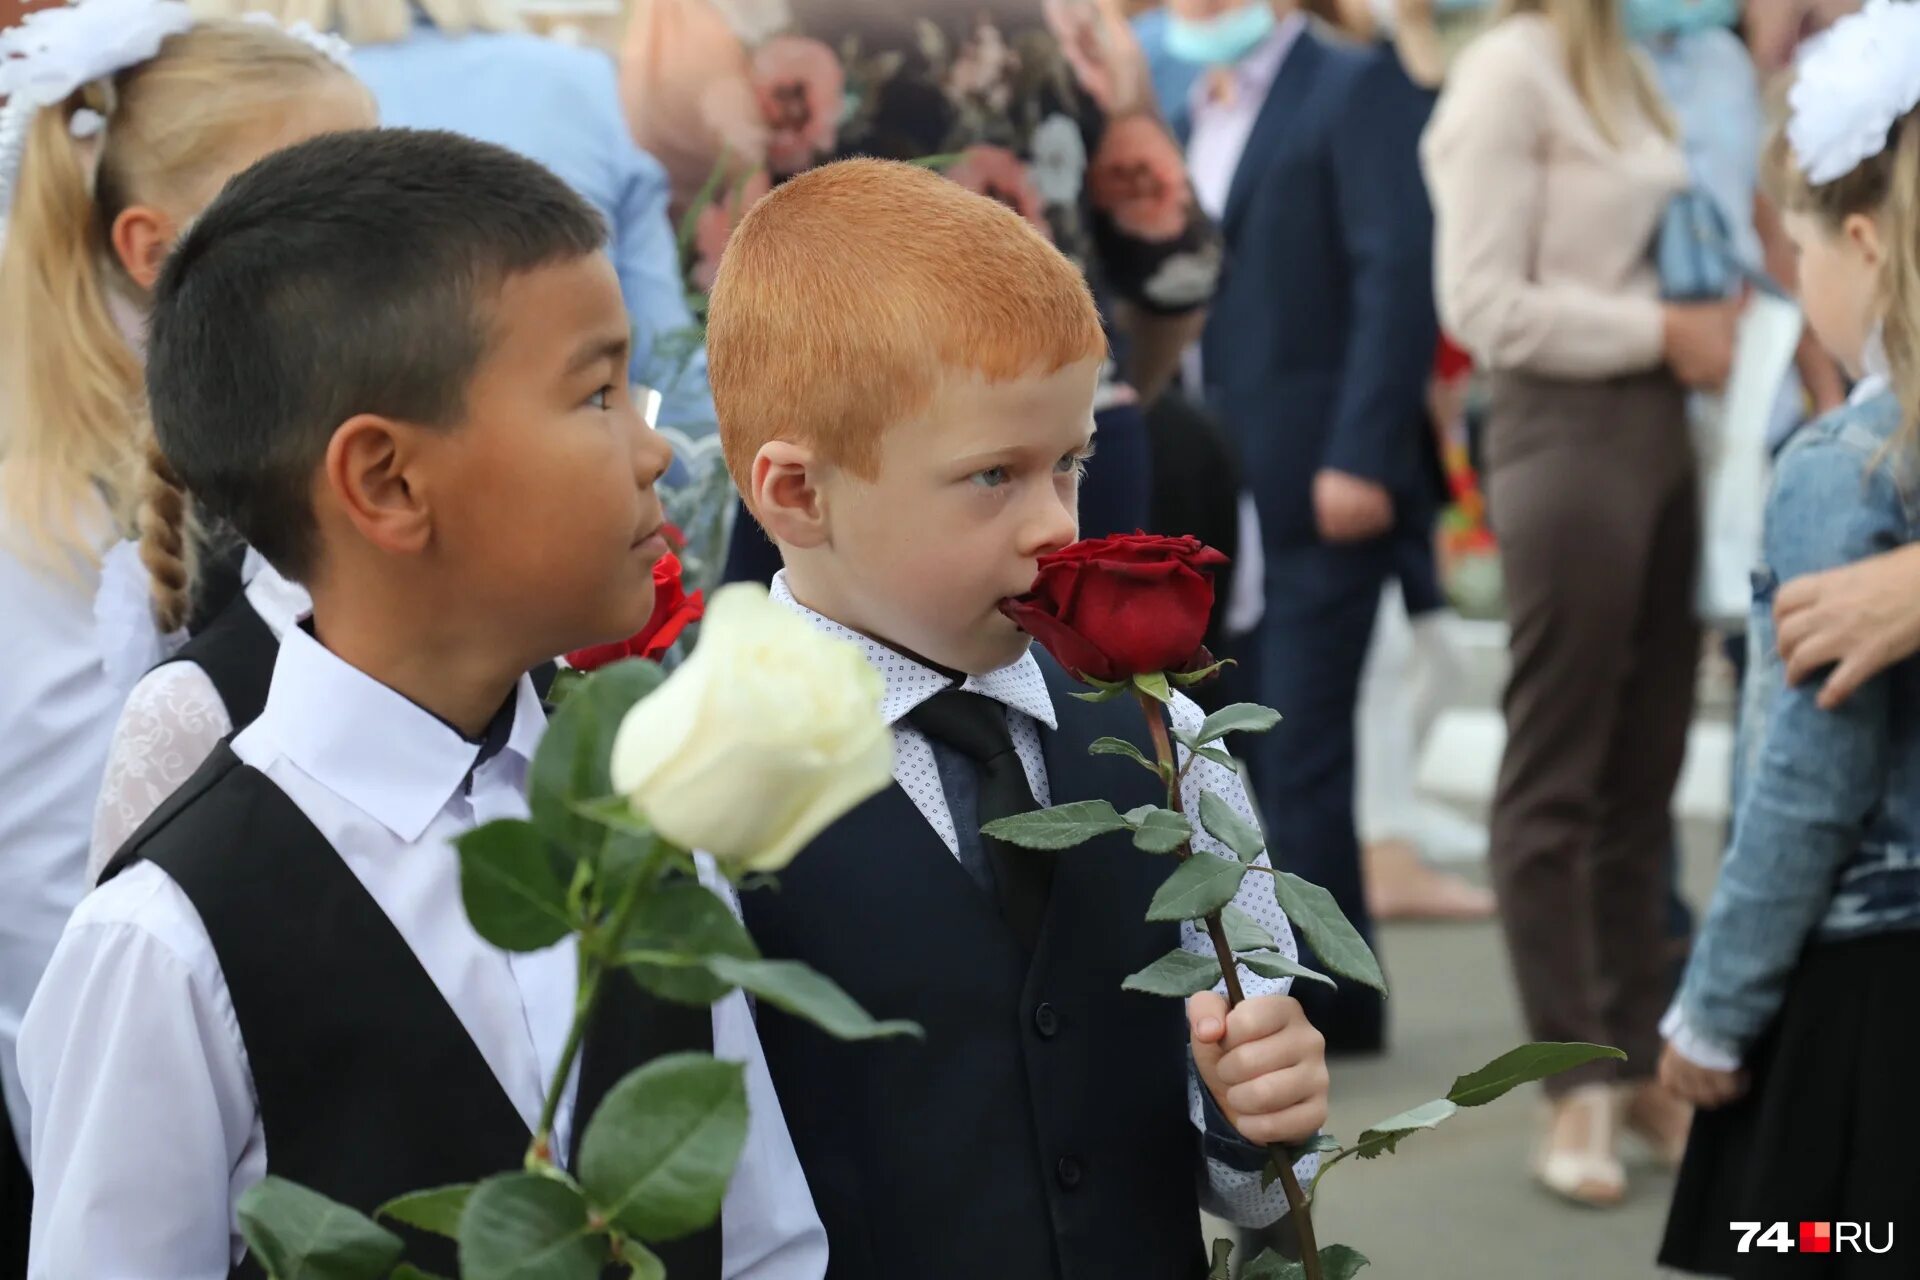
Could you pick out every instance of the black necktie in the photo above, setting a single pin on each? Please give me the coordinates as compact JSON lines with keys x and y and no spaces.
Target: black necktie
{"x":976,"y":727}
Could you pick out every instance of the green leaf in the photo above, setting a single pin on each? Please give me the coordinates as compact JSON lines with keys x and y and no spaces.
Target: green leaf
{"x":1102,"y":691}
{"x":1317,"y":919}
{"x":1218,"y":756}
{"x":1200,"y":885}
{"x":685,"y":917}
{"x":1341,"y":1262}
{"x":646,"y":1264}
{"x":1177,"y":973}
{"x":1337,"y":1262}
{"x":1321,"y":1144}
{"x":507,"y":882}
{"x":1524,"y":1065}
{"x":1241,"y":717}
{"x":1385,"y":1137}
{"x":800,"y":991}
{"x":565,"y":681}
{"x":297,"y":1234}
{"x":437,"y":1211}
{"x":658,"y":1154}
{"x":612,"y":811}
{"x":527,"y":1226}
{"x":1271,"y":964}
{"x":1229,"y":828}
{"x":571,"y":763}
{"x":1154,"y":685}
{"x":1221,"y":1268}
{"x":1157,"y":830}
{"x":1271,"y":1266}
{"x":407,"y":1271}
{"x":1244,"y":933}
{"x":1060,"y":827}
{"x":1121,"y":747}
{"x":1188,"y":679}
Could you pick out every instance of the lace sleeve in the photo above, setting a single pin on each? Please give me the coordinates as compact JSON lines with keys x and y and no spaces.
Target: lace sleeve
{"x":172,"y":721}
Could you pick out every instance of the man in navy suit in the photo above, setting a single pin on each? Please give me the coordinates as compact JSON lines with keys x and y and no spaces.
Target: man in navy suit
{"x":1317,"y":355}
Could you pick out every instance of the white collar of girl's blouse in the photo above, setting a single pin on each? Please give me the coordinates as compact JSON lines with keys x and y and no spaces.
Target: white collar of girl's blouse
{"x":1876,"y":374}
{"x":280,"y":602}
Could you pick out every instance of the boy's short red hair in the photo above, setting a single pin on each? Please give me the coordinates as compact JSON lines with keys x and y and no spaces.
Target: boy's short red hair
{"x":846,"y":293}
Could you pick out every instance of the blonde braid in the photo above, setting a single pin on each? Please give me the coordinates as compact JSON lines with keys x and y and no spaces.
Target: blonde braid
{"x":168,"y":541}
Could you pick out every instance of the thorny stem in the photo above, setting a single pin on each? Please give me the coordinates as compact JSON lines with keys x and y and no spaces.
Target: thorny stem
{"x":1229,"y":969}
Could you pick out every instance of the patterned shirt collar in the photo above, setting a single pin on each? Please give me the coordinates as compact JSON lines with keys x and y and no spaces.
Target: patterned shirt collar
{"x":1018,"y":685}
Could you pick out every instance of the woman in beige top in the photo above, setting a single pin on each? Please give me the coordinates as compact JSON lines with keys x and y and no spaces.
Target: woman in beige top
{"x":1552,"y":159}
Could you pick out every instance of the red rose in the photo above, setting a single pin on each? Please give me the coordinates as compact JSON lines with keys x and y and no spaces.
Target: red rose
{"x":1113,"y":608}
{"x":673,"y":610}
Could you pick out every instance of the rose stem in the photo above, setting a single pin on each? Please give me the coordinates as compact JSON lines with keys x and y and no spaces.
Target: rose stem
{"x":1170,"y":773}
{"x":1230,"y":970}
{"x":592,"y":970}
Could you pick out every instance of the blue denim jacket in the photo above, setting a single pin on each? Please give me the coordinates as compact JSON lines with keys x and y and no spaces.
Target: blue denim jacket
{"x":1826,"y":843}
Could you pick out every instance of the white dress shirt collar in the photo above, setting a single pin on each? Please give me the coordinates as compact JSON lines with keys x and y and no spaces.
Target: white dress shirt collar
{"x":320,"y":715}
{"x":1019,"y":685}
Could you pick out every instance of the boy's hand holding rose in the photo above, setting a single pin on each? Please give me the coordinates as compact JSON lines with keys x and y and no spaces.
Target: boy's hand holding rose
{"x":1264,"y":1064}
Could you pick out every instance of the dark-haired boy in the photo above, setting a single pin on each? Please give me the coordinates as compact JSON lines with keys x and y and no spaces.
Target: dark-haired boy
{"x":395,"y":362}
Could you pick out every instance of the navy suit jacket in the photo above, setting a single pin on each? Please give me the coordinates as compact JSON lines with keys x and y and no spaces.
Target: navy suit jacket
{"x":1320,"y":343}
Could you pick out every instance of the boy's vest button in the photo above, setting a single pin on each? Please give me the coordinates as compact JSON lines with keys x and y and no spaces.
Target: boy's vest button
{"x":1068,"y":1172}
{"x":1046,"y":1020}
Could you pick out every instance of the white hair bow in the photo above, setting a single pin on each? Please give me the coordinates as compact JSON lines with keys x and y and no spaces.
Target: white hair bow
{"x":1851,"y":84}
{"x":332,"y":47}
{"x":53,"y":52}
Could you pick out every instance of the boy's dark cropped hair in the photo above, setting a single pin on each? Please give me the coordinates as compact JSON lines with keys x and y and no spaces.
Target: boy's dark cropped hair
{"x":353,"y":273}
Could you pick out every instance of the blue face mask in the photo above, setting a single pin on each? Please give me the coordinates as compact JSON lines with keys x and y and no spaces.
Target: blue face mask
{"x":1223,"y":39}
{"x":1647,"y":19}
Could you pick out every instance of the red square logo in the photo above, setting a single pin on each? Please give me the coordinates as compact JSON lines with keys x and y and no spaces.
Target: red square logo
{"x":1816,"y":1237}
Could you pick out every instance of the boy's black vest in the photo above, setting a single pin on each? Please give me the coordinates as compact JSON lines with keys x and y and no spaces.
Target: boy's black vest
{"x":368,"y":1084}
{"x":1040,"y":1132}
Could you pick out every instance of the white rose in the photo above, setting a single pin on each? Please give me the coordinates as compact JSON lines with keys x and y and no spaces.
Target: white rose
{"x":764,"y":735}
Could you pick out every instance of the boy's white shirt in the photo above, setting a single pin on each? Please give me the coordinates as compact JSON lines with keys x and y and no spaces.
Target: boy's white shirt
{"x":1022,"y":689}
{"x":145,"y":1127}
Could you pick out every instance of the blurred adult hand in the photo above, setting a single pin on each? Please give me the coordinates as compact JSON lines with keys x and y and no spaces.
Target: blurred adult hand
{"x":1859,"y":620}
{"x":1699,"y":341}
{"x":1350,"y":509}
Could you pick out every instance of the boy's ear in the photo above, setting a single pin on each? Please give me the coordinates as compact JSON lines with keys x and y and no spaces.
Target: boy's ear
{"x":366,"y":470}
{"x":785,"y":494}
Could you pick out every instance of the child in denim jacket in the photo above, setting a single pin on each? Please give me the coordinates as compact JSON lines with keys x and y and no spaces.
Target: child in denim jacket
{"x":1794,"y":1026}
